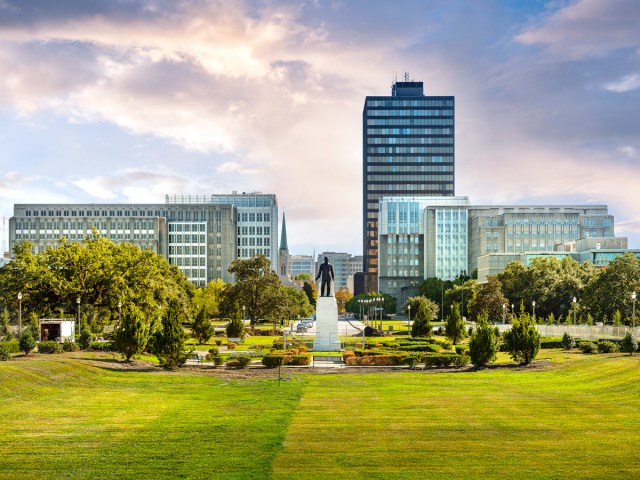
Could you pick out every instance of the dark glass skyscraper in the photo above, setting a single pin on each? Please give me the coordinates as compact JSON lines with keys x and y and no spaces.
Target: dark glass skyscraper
{"x":407,"y":150}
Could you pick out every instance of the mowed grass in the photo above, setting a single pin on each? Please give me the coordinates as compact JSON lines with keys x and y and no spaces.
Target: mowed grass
{"x":66,"y":418}
{"x":579,"y":419}
{"x":576,"y":417}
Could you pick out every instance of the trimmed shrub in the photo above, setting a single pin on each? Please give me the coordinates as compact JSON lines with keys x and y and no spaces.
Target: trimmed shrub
{"x":70,"y":346}
{"x":523,"y":340}
{"x":49,"y":347}
{"x":245,"y":353}
{"x":27,"y":343}
{"x":214,"y":352}
{"x":588,"y":347}
{"x":239,"y":362}
{"x":446,"y":360}
{"x":217,"y":361}
{"x":218,"y":342}
{"x":445,"y":344}
{"x":462,"y":349}
{"x":568,"y":342}
{"x":605,"y":346}
{"x":297,"y":360}
{"x":551,"y":342}
{"x":483,"y":345}
{"x":85,"y":338}
{"x":232,"y":345}
{"x":629,"y":344}
{"x":278,"y":345}
{"x":421,"y":347}
{"x":103,"y":346}
{"x":272,"y":361}
{"x":10,"y":346}
{"x":4,"y":352}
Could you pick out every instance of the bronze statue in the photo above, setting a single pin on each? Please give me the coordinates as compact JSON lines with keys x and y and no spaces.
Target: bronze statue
{"x":326,"y":271}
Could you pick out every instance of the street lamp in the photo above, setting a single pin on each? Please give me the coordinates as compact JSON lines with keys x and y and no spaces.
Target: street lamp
{"x":409,"y":310}
{"x":574,"y":309}
{"x":20,"y":314}
{"x":243,"y":314}
{"x":504,"y":312}
{"x":78,"y":302}
{"x":513,"y":312}
{"x":119,"y":312}
{"x":633,"y":296}
{"x":534,"y":310}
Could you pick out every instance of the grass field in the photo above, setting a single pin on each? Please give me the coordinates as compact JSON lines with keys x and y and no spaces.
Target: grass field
{"x":575,"y":417}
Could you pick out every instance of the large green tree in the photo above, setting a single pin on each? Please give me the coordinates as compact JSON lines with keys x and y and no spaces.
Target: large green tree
{"x":100,"y":273}
{"x":612,"y":289}
{"x":423,"y":312}
{"x":433,"y":288}
{"x":210,"y":296}
{"x":256,"y":288}
{"x":461,"y":293}
{"x":488,"y":298}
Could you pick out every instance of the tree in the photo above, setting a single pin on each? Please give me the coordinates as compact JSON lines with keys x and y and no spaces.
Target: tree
{"x":460,"y":292}
{"x":296,"y":303}
{"x":132,"y":333}
{"x":99,"y":272}
{"x":342,"y":297}
{"x":257,"y":288}
{"x":235,"y":328}
{"x":168,"y":341}
{"x":629,"y":344}
{"x":210,"y":297}
{"x":617,"y":318}
{"x":488,"y":298}
{"x":423,"y":311}
{"x":611,"y":290}
{"x":27,"y":342}
{"x":454,"y":327}
{"x":4,"y":324}
{"x":202,"y":329}
{"x":433,"y":288}
{"x":523,"y":340}
{"x":483,"y":345}
{"x":311,"y":291}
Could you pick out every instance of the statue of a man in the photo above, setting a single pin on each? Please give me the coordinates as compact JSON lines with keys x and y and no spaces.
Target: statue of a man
{"x":326,"y":272}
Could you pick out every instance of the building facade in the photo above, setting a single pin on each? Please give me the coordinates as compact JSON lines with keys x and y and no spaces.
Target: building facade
{"x":302,"y":264}
{"x":408,"y":150}
{"x":201,"y":238}
{"x":423,"y":237}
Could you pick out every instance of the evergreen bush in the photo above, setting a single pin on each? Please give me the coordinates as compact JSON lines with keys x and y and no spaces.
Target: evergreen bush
{"x":629,"y":344}
{"x":483,"y":346}
{"x":588,"y":347}
{"x":605,"y":346}
{"x":568,"y":342}
{"x":523,"y":340}
{"x":49,"y":346}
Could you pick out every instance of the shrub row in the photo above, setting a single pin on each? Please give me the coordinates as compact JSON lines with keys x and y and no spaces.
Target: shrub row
{"x":50,"y":346}
{"x":446,"y":360}
{"x":603,"y":346}
{"x":420,"y":347}
{"x":103,"y":346}
{"x":10,"y":346}
{"x":239,"y":362}
{"x":4,"y":352}
{"x":273,"y":360}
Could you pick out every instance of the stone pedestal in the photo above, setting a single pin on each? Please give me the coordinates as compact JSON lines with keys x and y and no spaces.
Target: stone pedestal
{"x":326,"y":325}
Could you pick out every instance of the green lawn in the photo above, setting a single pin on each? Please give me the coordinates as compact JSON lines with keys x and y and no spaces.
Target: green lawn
{"x":575,"y":417}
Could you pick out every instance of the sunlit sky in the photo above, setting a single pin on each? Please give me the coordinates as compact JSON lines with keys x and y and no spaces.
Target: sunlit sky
{"x":128,"y":100}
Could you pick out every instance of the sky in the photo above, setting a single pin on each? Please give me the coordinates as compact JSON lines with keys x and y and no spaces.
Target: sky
{"x":128,"y":100}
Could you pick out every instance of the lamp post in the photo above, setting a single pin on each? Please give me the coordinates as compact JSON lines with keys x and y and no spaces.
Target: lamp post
{"x":633,"y":297}
{"x":409,"y":310}
{"x":243,"y":313}
{"x":574,"y":309}
{"x":534,"y":311}
{"x":78,"y":302}
{"x":119,"y":311}
{"x":504,"y":312}
{"x":513,"y":312}
{"x":19,"y":314}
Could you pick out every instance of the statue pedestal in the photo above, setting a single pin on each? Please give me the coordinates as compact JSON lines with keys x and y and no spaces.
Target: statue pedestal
{"x":326,"y":325}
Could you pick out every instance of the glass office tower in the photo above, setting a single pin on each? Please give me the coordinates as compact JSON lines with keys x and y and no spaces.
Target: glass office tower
{"x":408,"y":150}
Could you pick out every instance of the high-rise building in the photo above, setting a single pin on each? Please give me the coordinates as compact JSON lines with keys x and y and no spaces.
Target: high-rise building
{"x":302,"y":264}
{"x":408,"y":150}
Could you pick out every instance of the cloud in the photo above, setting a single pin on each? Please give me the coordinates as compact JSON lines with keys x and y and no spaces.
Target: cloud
{"x":587,"y":28}
{"x":625,"y":84}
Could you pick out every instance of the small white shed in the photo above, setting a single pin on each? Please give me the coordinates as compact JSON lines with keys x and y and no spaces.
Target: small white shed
{"x":57,"y":329}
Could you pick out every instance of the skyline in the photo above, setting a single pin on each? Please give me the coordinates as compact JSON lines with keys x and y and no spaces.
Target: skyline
{"x":128,"y":101}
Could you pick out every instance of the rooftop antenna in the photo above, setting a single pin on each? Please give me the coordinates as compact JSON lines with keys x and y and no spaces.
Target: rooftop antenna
{"x":407,"y":78}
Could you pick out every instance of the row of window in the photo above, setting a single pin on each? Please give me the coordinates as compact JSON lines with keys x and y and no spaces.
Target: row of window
{"x":254,"y":217}
{"x":254,"y":241}
{"x":252,"y":252}
{"x":187,"y":250}
{"x":409,"y":168}
{"x":66,"y":225}
{"x":426,"y":188}
{"x":410,"y":159}
{"x":409,"y":131}
{"x":409,"y":140}
{"x":411,"y":122}
{"x":409,"y":103}
{"x":188,"y":227}
{"x":251,"y":230}
{"x":410,"y":113}
{"x":187,"y":238}
{"x":432,"y":150}
{"x":36,"y":235}
{"x":188,"y":261}
{"x":393,"y":272}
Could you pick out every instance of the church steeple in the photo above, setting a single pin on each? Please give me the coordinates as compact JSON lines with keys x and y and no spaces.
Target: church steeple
{"x":283,"y":235}
{"x":283,"y":253}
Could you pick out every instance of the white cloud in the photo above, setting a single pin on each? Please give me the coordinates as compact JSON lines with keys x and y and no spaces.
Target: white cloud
{"x":625,"y":84}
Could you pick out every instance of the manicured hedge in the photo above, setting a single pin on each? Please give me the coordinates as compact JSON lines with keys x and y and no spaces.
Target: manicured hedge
{"x":103,"y":346}
{"x":50,"y":346}
{"x":551,"y":342}
{"x":297,"y":360}
{"x":239,"y":362}
{"x":420,"y":347}
{"x":446,"y":360}
{"x":10,"y":346}
{"x":70,"y":347}
{"x":272,"y":361}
